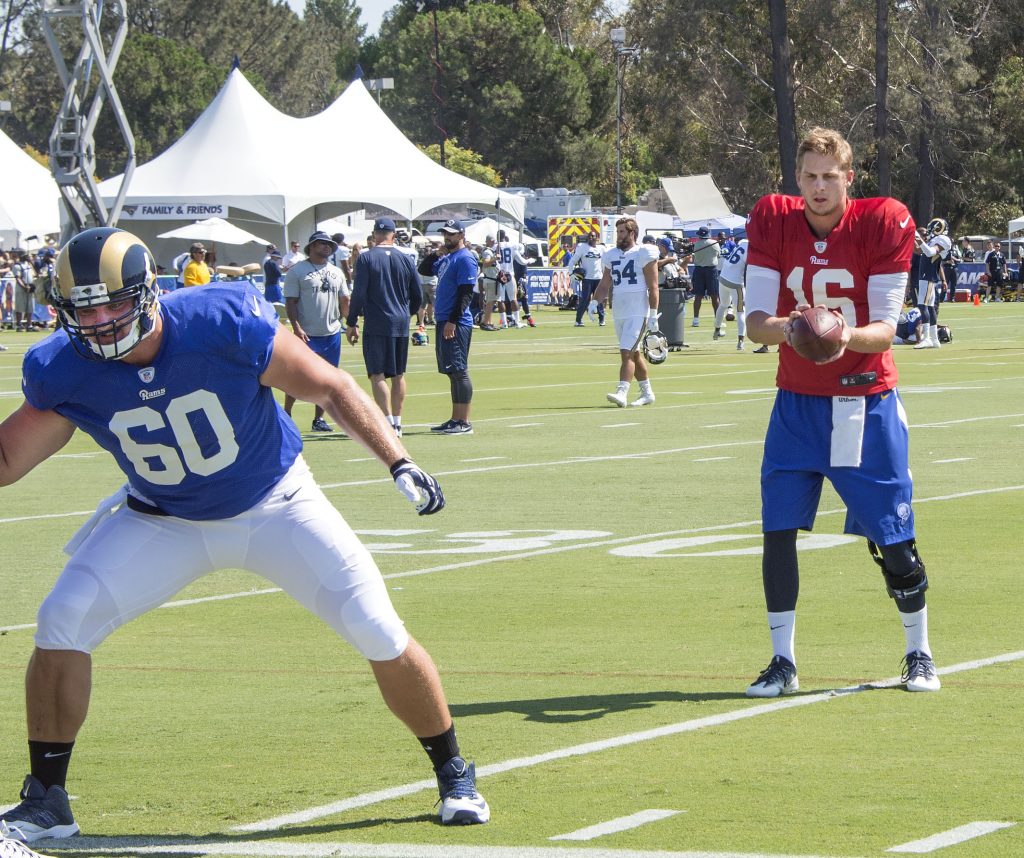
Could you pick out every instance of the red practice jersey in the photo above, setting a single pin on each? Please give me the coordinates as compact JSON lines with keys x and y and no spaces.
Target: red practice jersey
{"x":874,"y":237}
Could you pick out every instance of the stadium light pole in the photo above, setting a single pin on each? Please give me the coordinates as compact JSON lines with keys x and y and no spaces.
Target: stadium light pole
{"x":622,"y":55}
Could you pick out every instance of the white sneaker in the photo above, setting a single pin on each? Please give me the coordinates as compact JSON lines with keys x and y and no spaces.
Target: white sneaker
{"x":740,"y":346}
{"x":643,"y":399}
{"x":619,"y":398}
{"x":919,"y":672}
{"x":695,"y":323}
{"x":775,"y":680}
{"x":935,"y":342}
{"x":924,"y":344}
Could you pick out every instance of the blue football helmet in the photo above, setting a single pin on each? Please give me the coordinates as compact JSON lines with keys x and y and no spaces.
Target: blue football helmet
{"x":101,"y":266}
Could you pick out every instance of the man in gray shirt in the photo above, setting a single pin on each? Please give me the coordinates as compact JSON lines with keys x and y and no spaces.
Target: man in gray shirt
{"x":705,"y":271}
{"x":315,"y":298}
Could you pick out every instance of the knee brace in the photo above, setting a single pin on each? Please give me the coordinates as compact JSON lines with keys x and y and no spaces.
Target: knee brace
{"x":902,"y":569}
{"x":462,"y":387}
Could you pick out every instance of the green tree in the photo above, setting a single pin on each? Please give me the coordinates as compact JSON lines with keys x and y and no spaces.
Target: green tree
{"x":503,"y":87}
{"x":465,"y":162}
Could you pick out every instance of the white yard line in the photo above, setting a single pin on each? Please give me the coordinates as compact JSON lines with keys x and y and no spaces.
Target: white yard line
{"x":614,"y":826}
{"x":956,"y":835}
{"x":279,"y":849}
{"x":749,"y":711}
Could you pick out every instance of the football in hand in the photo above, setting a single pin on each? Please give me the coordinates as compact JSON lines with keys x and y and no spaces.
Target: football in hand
{"x":816,"y":334}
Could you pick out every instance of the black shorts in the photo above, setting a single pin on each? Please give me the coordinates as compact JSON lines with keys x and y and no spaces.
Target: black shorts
{"x":453,"y":354}
{"x":387,"y":356}
{"x":705,"y":281}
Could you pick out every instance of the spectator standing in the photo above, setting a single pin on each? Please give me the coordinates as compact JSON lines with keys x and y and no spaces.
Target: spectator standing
{"x":995,"y":265}
{"x":386,"y":292}
{"x":631,"y":270}
{"x":841,"y":418}
{"x":272,"y":276}
{"x":312,"y":292}
{"x":342,"y":256}
{"x":488,"y":288}
{"x":428,"y":282}
{"x":967,"y":249}
{"x":243,"y":498}
{"x":178,"y":266}
{"x":24,"y":291}
{"x":293,"y":257}
{"x":457,"y":271}
{"x":196,"y":272}
{"x":587,"y":256}
{"x":734,"y":277}
{"x":705,"y":272}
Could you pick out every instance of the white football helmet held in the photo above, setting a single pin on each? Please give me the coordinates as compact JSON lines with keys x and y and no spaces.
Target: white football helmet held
{"x":655,"y":346}
{"x":101,"y":266}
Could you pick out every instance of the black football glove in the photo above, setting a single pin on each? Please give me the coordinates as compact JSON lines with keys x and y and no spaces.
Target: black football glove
{"x":418,"y":486}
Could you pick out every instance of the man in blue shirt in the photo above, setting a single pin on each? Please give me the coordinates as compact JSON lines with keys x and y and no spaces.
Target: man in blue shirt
{"x":386,"y":293}
{"x":179,"y":390}
{"x":457,"y":273}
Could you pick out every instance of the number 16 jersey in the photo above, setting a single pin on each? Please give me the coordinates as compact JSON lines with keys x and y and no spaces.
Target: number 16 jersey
{"x":874,"y":240}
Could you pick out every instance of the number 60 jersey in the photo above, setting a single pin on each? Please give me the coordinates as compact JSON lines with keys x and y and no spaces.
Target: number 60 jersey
{"x":195,"y":432}
{"x":859,"y":268}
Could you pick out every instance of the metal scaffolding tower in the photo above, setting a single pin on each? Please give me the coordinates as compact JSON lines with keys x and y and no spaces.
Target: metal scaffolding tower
{"x":87,"y":85}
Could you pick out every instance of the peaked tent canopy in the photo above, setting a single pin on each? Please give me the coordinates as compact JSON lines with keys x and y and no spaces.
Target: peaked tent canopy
{"x":244,"y":153}
{"x":31,"y":199}
{"x":1015,"y":225}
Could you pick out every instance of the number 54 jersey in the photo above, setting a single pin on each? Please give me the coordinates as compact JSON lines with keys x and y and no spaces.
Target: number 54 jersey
{"x":860,"y":268}
{"x":195,"y":432}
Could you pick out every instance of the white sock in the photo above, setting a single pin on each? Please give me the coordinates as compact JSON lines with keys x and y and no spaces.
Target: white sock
{"x":645,"y":387}
{"x":782,"y":625}
{"x":915,"y":628}
{"x":623,"y":387}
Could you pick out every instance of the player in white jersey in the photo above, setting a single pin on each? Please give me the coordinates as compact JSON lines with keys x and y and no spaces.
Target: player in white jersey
{"x":733,"y":276}
{"x":587,"y":256}
{"x":507,"y":253}
{"x":632,"y":270}
{"x":934,"y":250}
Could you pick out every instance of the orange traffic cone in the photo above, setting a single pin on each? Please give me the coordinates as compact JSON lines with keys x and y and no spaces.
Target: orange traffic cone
{"x":977,"y":299}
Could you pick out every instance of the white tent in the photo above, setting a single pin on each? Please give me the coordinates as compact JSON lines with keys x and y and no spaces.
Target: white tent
{"x":1016,"y":225}
{"x":30,"y":203}
{"x":695,"y":198}
{"x":244,"y":154}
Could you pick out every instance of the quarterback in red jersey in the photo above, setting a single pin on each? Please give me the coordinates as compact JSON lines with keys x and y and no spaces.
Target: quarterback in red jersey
{"x":841,"y":418}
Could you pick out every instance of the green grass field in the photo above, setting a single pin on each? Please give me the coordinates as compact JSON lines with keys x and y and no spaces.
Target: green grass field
{"x":592,"y":596}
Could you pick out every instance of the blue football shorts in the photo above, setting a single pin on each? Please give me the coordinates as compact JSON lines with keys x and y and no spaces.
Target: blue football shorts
{"x":452,"y":355}
{"x":860,"y":443}
{"x":329,"y":348}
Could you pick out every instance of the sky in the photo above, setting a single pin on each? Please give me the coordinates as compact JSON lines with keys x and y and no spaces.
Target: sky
{"x":373,"y":12}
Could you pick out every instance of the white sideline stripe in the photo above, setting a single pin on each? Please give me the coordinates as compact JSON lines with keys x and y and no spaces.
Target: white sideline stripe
{"x":718,"y":426}
{"x":523,"y":425}
{"x":715,"y":459}
{"x":304,"y":816}
{"x":613,"y":826}
{"x":964,"y":420}
{"x":951,"y":837}
{"x":953,"y":461}
{"x":618,"y":425}
{"x":277,"y":849}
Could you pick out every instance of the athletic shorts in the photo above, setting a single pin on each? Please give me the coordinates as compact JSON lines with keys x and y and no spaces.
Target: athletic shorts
{"x":453,"y":354}
{"x":329,"y":348}
{"x":630,"y":313}
{"x":490,"y":290}
{"x":129,"y":562}
{"x":24,"y":301}
{"x":925,"y":293}
{"x":705,"y":281}
{"x":860,"y":443}
{"x":273,"y":293}
{"x":387,"y":356}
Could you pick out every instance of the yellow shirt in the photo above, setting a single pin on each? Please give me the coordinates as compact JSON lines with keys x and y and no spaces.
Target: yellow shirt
{"x":196,"y":274}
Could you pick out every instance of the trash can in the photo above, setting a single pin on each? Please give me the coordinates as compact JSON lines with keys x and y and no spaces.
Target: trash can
{"x":672,"y":306}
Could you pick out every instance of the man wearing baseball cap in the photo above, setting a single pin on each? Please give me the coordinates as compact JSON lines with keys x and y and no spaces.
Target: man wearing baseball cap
{"x":315,"y":301}
{"x":386,"y":292}
{"x":457,"y":272}
{"x":705,"y":271}
{"x":196,"y":272}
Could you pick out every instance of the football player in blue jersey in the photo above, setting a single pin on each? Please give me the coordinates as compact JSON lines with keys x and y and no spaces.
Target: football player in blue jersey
{"x":179,"y":390}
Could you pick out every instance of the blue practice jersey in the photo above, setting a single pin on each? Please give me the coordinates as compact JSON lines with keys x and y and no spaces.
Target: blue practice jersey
{"x":195,"y":432}
{"x":454,"y":270}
